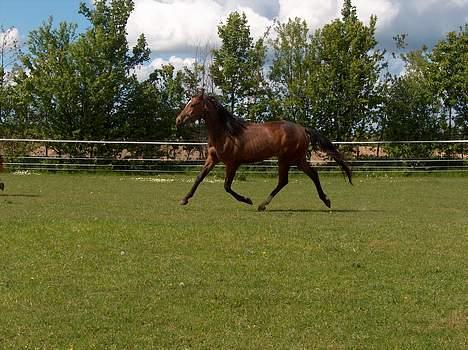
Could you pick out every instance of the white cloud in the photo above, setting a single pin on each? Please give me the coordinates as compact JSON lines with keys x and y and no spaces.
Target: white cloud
{"x":144,"y":71}
{"x":385,"y":10}
{"x":315,"y":12}
{"x":9,"y":38}
{"x":187,"y":28}
{"x":174,"y":25}
{"x":319,"y":12}
{"x":183,"y":25}
{"x":257,"y":23}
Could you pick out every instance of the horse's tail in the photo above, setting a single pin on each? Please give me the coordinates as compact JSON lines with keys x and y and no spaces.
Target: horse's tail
{"x":319,"y":141}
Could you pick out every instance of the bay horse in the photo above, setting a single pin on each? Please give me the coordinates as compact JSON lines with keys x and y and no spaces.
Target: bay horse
{"x":235,"y":142}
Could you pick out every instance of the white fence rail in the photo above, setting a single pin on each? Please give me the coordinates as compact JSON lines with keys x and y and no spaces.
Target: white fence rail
{"x":177,"y":156}
{"x":183,"y":143}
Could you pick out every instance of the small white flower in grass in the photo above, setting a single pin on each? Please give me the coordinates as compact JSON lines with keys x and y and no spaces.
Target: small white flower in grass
{"x":154,"y":179}
{"x":122,"y":252}
{"x":181,"y":284}
{"x":22,"y":172}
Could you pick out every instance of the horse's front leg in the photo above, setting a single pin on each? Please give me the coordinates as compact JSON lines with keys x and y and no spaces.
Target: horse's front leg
{"x":230,"y":173}
{"x":210,"y":163}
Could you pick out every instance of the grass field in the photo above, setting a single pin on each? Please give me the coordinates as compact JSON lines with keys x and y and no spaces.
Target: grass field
{"x":113,"y":262}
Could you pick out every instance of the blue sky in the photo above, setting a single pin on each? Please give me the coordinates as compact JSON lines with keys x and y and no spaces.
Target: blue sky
{"x":27,"y":15}
{"x":177,"y":29}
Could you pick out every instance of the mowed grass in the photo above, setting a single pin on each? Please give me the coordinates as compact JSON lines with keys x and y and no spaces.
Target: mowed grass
{"x":114,"y":262}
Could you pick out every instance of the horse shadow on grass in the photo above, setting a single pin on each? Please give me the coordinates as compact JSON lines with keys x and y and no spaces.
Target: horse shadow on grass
{"x":23,"y":195}
{"x":324,"y":211}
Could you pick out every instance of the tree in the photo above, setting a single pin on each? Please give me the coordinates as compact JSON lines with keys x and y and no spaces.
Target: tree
{"x":448,"y":71}
{"x":344,"y":78}
{"x":290,"y":71}
{"x":411,"y":110}
{"x":159,"y":98}
{"x":237,"y":68}
{"x":49,"y":78}
{"x":19,"y":120}
{"x":81,"y":84}
{"x":16,"y":117}
{"x":9,"y":47}
{"x":106,"y":67}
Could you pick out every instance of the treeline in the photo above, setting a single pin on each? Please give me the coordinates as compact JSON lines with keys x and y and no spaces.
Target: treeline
{"x":69,"y":85}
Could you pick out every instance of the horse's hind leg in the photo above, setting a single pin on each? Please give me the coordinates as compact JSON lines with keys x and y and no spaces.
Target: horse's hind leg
{"x":230,"y":173}
{"x":283,"y":169}
{"x":2,"y":186}
{"x":312,"y":173}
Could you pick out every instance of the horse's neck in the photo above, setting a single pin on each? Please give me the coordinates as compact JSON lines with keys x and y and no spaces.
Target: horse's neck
{"x":216,"y":131}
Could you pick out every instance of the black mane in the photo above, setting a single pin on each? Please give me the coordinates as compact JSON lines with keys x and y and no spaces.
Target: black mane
{"x":232,"y":125}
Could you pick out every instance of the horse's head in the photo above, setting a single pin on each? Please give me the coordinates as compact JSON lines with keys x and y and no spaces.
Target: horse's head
{"x":194,"y":110}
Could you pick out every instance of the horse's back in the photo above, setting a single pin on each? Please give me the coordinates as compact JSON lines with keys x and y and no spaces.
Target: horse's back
{"x":281,"y":139}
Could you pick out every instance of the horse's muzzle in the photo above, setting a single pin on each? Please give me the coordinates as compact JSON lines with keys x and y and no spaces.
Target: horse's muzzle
{"x":179,"y":121}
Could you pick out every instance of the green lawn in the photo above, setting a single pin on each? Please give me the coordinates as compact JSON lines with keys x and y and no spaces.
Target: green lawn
{"x":114,"y":262}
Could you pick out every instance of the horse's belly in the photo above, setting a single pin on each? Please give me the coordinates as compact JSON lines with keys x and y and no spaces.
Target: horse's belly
{"x":256,"y":152}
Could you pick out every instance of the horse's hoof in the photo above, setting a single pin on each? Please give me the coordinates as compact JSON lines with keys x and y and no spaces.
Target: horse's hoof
{"x":2,"y":186}
{"x":327,"y":203}
{"x":183,"y":201}
{"x":261,"y":208}
{"x":248,"y":201}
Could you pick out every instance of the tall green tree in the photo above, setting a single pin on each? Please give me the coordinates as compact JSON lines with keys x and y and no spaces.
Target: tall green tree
{"x":157,"y":99}
{"x":106,"y":66}
{"x":411,"y":109}
{"x":9,"y":47}
{"x":19,"y":118}
{"x":237,"y":68}
{"x":411,"y":115}
{"x":344,"y":83}
{"x":290,"y":71}
{"x":50,"y":79}
{"x":448,"y":72}
{"x":80,"y":84}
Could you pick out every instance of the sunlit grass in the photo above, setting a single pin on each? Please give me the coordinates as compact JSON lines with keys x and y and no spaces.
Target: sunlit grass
{"x":114,"y":262}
